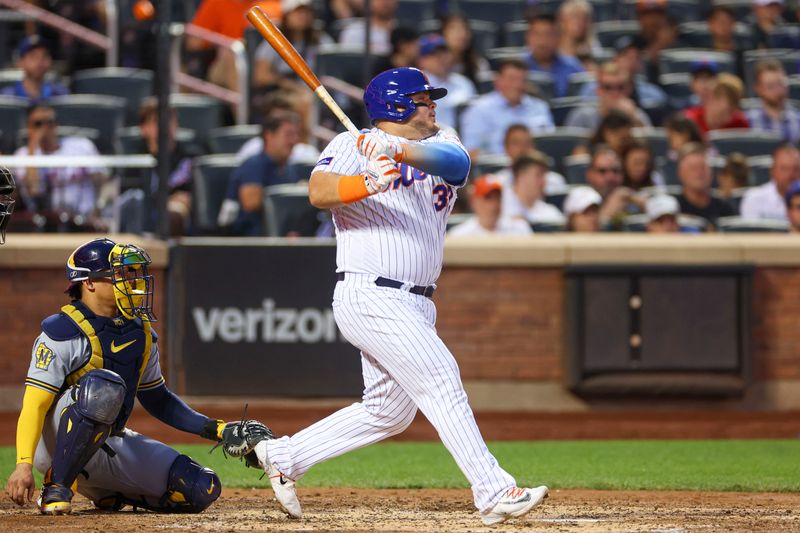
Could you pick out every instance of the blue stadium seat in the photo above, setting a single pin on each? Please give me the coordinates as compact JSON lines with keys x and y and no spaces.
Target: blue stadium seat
{"x":760,"y":167}
{"x":101,"y":112}
{"x":794,"y":87}
{"x":749,"y":142}
{"x":200,"y":114}
{"x":695,"y":34}
{"x":575,"y":167}
{"x":678,"y":90}
{"x":229,"y":139}
{"x":608,"y":32}
{"x":744,"y":225}
{"x":560,"y":143}
{"x":578,"y":81}
{"x":411,"y":12}
{"x":656,"y":139}
{"x":489,"y":164}
{"x":548,"y":227}
{"x":514,"y":33}
{"x":495,"y":56}
{"x":343,"y":62}
{"x":560,"y":107}
{"x":681,"y":60}
{"x":497,"y":11}
{"x":288,"y":211}
{"x":209,"y":185}
{"x":12,"y":119}
{"x":134,"y":85}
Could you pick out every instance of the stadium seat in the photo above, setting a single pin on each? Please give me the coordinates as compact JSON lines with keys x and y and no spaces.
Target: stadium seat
{"x":559,"y":144}
{"x":303,"y":169}
{"x":608,"y":32}
{"x":680,"y":10}
{"x":669,"y":169}
{"x":64,"y":131}
{"x":695,"y":34}
{"x":548,"y":227}
{"x":681,"y":60}
{"x":741,"y":8}
{"x":457,"y":218}
{"x":635,"y":224}
{"x":133,"y":85}
{"x":575,"y":167}
{"x":411,"y":12}
{"x":102,"y":112}
{"x":200,"y":114}
{"x":678,"y":90}
{"x":495,"y":56}
{"x":129,"y":141}
{"x":693,"y":223}
{"x":209,"y":185}
{"x":557,"y":199}
{"x":656,"y":139}
{"x":541,"y":83}
{"x":230,"y":139}
{"x":794,"y":87}
{"x":9,"y":77}
{"x":343,"y":62}
{"x":485,"y":34}
{"x":746,"y":141}
{"x":785,"y":36}
{"x":560,"y":107}
{"x":514,"y":33}
{"x":489,"y":164}
{"x":578,"y":81}
{"x":760,"y":167}
{"x":497,"y":11}
{"x":744,"y":225}
{"x":287,"y":211}
{"x":12,"y":119}
{"x":735,"y":199}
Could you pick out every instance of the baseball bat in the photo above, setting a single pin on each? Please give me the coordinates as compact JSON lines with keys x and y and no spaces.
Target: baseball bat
{"x":281,"y":44}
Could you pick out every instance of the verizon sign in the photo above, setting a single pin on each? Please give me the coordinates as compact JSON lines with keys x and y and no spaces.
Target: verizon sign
{"x":256,"y":320}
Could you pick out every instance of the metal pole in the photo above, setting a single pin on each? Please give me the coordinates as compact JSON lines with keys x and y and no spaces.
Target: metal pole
{"x":367,"y":75}
{"x":164,"y":13}
{"x":112,"y":23}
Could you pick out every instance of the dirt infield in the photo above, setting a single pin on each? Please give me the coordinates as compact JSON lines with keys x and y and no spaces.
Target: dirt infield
{"x":439,"y":510}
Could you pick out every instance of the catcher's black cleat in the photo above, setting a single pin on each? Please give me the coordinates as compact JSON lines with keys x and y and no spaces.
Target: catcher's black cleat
{"x":55,"y":500}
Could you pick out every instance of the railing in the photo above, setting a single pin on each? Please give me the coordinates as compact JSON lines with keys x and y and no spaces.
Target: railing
{"x":240,"y":99}
{"x":109,"y":43}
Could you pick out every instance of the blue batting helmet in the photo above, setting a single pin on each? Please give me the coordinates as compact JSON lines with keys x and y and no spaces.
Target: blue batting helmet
{"x":392,"y":88}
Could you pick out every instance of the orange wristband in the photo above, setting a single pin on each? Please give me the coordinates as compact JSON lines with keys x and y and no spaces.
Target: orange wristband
{"x":352,"y":189}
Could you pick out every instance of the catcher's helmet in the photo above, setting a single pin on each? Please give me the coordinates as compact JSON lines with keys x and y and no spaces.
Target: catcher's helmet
{"x":392,"y":88}
{"x":125,"y":265}
{"x":7,"y":188}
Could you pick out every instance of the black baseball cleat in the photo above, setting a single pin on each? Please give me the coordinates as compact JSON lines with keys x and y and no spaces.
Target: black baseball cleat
{"x":55,"y":500}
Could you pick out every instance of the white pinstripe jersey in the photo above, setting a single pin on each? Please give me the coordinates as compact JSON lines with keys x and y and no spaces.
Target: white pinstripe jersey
{"x":397,"y":234}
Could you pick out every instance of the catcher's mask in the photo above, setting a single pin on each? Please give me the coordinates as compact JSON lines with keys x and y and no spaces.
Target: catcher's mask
{"x":7,"y":188}
{"x":125,"y":265}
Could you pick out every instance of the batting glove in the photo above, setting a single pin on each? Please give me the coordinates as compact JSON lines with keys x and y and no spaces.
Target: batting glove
{"x":381,"y":172}
{"x":371,"y":146}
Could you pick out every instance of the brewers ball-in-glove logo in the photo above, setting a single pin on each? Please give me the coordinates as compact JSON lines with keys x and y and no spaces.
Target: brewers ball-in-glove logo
{"x":44,"y":356}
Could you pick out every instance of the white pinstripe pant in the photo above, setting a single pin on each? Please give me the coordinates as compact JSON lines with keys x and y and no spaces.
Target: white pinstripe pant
{"x":406,"y":366}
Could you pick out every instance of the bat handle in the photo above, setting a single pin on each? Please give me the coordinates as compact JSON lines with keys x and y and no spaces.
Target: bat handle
{"x":326,"y":97}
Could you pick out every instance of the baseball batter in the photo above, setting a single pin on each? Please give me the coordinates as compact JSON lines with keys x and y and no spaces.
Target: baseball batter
{"x":89,"y":363}
{"x":391,"y":192}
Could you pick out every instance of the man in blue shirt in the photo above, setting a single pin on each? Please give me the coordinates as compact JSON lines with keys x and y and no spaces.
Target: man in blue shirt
{"x":542,"y":41}
{"x":35,"y":61}
{"x":485,"y":122}
{"x":281,"y":131}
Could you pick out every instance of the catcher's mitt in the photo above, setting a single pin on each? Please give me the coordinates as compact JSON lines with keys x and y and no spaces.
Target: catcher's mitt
{"x":240,"y":438}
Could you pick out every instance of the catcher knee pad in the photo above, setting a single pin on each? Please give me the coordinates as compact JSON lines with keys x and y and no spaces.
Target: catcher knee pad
{"x":191,"y":488}
{"x":86,"y":424}
{"x":99,"y":395}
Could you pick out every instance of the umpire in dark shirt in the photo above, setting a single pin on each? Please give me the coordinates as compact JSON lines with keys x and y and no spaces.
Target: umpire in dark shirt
{"x":281,"y":131}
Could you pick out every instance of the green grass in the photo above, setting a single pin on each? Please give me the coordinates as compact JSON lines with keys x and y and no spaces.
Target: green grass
{"x":718,"y":465}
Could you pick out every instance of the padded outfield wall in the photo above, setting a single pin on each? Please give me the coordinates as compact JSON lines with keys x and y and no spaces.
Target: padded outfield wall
{"x":506,"y":308}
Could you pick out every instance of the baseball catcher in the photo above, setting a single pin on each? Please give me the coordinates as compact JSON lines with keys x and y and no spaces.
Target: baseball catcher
{"x":7,"y":188}
{"x":89,"y":363}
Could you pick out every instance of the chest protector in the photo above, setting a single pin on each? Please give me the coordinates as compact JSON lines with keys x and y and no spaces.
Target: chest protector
{"x":120,"y":345}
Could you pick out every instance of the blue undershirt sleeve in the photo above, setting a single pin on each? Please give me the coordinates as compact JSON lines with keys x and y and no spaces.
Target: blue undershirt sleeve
{"x":166,"y":406}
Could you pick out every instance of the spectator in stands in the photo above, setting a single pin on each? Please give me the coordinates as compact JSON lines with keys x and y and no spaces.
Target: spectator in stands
{"x":382,"y":21}
{"x":605,"y":176}
{"x":179,"y":202}
{"x":680,"y":131}
{"x":543,"y":55}
{"x":658,"y":30}
{"x":405,"y":51}
{"x":662,"y":214}
{"x":629,"y":58}
{"x":489,"y":219}
{"x":775,"y":114}
{"x":281,"y":131}
{"x":766,"y":17}
{"x":734,"y":175}
{"x":613,"y":131}
{"x":226,"y":17}
{"x":458,"y":35}
{"x":695,"y":177}
{"x":614,"y":89}
{"x":61,"y":192}
{"x":721,"y":111}
{"x":517,"y":142}
{"x":525,"y":199}
{"x":485,"y":122}
{"x":638,"y":166}
{"x":722,"y":24}
{"x":35,"y":61}
{"x":793,"y":207}
{"x":703,"y":79}
{"x":269,"y":70}
{"x":281,"y":100}
{"x":576,"y":37}
{"x":768,"y":200}
{"x":582,"y":209}
{"x":436,"y":60}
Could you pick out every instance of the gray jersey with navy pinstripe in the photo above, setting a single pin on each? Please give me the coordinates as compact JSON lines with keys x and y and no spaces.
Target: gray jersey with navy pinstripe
{"x":397,"y":234}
